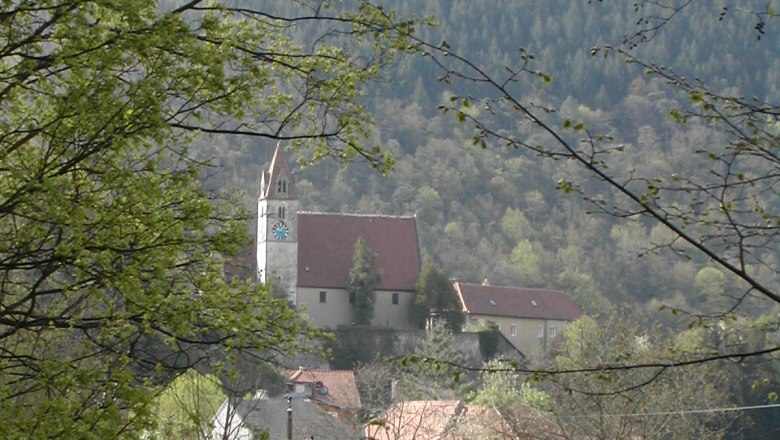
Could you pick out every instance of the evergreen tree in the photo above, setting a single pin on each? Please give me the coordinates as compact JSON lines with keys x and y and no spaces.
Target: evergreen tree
{"x":435,"y":297}
{"x":363,"y":277}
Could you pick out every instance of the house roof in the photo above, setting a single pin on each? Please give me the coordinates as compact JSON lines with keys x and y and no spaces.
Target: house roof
{"x":326,"y":243}
{"x":454,"y":420}
{"x":341,"y":386}
{"x":479,"y":421}
{"x":308,"y":419}
{"x":516,"y":302}
{"x":416,"y":420}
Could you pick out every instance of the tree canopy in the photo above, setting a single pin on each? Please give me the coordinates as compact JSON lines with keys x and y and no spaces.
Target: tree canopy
{"x":363,"y":278}
{"x":112,"y":249}
{"x":435,"y":297}
{"x":722,"y":209}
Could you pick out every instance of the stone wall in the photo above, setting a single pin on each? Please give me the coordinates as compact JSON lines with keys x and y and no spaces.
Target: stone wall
{"x":358,"y":344}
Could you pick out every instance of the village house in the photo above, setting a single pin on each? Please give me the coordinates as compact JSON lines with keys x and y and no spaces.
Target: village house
{"x":335,"y":391}
{"x":530,"y":319}
{"x":246,"y":419}
{"x":324,"y":404}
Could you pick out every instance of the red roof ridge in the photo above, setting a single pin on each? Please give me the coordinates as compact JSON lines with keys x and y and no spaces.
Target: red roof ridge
{"x":356,"y":214}
{"x":535,"y":289}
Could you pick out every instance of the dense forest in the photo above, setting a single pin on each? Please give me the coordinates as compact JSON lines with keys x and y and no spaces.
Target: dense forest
{"x":498,"y":213}
{"x":539,"y":143}
{"x":495,"y":213}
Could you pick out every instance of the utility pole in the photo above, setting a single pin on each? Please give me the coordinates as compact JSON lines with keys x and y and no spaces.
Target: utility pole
{"x":289,"y":417}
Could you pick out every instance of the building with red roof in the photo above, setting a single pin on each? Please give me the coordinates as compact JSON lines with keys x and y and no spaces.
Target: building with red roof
{"x":456,"y":420}
{"x":310,"y":254}
{"x":531,"y":319}
{"x":334,"y":390}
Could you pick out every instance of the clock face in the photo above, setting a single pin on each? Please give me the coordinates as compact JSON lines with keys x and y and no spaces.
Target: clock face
{"x":280,"y":231}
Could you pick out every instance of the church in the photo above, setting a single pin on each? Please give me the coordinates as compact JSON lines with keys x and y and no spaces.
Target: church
{"x":310,"y":254}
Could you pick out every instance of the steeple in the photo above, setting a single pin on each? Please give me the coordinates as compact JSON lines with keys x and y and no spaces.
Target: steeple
{"x":277,"y":226}
{"x":276,"y":181}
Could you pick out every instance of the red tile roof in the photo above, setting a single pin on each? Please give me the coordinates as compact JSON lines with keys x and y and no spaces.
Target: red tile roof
{"x":326,"y":243}
{"x":454,"y":420}
{"x":416,"y":420}
{"x":516,"y":302}
{"x":340,"y":384}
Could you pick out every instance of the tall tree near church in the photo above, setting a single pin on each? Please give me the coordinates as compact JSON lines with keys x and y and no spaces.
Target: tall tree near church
{"x":112,"y":250}
{"x":435,"y":298}
{"x":363,"y":277}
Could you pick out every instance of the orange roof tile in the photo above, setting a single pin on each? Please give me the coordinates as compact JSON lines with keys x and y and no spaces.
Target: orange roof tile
{"x":341,"y":386}
{"x":416,"y":420}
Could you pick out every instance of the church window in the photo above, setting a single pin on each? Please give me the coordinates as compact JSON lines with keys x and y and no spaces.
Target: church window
{"x":323,"y":296}
{"x":281,"y":186}
{"x":281,"y":212}
{"x":395,"y":299}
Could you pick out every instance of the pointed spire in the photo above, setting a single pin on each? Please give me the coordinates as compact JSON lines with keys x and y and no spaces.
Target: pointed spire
{"x":277,"y":180}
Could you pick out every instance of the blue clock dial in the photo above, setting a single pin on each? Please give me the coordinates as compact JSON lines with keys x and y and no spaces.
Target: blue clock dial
{"x":280,"y":231}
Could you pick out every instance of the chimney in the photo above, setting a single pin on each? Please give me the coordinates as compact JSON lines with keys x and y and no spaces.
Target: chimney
{"x":315,"y":387}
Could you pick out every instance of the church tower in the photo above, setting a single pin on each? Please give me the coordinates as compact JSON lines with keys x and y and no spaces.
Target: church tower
{"x":277,"y":226}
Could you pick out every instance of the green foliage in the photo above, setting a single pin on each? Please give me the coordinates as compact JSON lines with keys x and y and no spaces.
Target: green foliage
{"x":112,"y":247}
{"x":517,"y":406}
{"x":353,"y":345}
{"x":363,"y":277}
{"x":435,"y":298}
{"x":432,"y":372}
{"x":625,"y":339}
{"x":503,"y":389}
{"x":186,"y":406}
{"x":245,"y":373}
{"x":488,"y":340}
{"x":435,"y":370}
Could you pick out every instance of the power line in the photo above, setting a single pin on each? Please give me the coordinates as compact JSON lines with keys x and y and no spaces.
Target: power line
{"x":688,"y":411}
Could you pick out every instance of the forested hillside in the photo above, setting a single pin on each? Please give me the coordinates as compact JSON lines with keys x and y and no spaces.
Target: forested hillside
{"x":495,"y":213}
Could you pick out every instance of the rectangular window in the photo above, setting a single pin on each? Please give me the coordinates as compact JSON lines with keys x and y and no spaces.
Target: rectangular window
{"x":513,"y":330}
{"x":540,"y":331}
{"x":281,"y":212}
{"x":323,"y":296}
{"x":552,"y":331}
{"x":395,"y":299}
